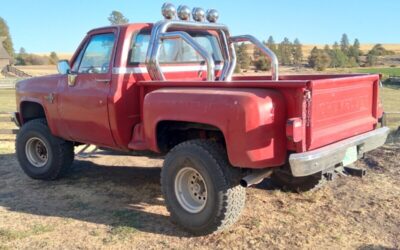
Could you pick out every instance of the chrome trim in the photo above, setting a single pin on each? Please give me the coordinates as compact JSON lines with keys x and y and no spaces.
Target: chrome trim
{"x":165,"y":69}
{"x":307,"y":163}
{"x":264,"y":49}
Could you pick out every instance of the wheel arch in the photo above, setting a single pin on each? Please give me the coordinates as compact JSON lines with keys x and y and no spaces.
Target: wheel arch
{"x":169,"y":133}
{"x":30,"y":110}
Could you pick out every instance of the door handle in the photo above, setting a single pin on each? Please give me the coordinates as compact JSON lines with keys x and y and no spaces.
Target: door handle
{"x":103,"y":80}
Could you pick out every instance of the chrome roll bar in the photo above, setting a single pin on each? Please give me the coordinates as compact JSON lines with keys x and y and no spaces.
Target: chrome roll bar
{"x":159,"y":33}
{"x":160,"y":28}
{"x":264,"y":49}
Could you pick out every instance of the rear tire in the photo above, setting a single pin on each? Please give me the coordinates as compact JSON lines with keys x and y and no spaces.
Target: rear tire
{"x":212,"y":199}
{"x":40,"y":154}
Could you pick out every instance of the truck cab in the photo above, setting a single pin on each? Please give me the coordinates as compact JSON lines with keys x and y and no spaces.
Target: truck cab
{"x":169,"y":88}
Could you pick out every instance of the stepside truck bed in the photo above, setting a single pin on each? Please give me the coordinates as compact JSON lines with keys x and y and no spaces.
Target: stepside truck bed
{"x":330,"y":108}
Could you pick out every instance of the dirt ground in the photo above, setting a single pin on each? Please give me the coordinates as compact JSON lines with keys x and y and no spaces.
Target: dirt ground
{"x":115,"y":202}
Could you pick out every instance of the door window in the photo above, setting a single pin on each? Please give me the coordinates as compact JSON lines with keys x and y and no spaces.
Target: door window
{"x":97,"y":55}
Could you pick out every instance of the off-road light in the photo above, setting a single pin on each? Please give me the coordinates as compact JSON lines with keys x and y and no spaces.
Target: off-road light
{"x":198,"y":14}
{"x":168,"y":11}
{"x":184,"y":13}
{"x":212,"y":15}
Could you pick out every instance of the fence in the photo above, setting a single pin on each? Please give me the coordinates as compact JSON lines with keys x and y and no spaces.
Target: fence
{"x":9,"y":83}
{"x":6,"y":118}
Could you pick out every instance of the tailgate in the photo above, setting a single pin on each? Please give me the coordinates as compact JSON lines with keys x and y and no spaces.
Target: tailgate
{"x":340,"y":108}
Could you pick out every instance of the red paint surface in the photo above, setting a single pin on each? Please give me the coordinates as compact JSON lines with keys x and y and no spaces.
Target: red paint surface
{"x":251,"y":111}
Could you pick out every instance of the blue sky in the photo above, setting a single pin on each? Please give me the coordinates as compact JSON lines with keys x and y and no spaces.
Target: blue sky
{"x":59,"y":25}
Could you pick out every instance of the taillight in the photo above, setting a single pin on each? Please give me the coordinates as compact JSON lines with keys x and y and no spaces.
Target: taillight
{"x":294,"y":129}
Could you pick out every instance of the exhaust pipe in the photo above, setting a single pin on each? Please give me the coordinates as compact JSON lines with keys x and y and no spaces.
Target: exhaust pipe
{"x":256,"y":177}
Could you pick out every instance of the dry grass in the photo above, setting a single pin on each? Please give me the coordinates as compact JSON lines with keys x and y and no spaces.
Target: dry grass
{"x":39,"y":70}
{"x":364,"y":47}
{"x":115,"y":202}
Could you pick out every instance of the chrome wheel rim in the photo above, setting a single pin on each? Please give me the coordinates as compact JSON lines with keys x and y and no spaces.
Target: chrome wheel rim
{"x":36,"y":152}
{"x":190,"y":190}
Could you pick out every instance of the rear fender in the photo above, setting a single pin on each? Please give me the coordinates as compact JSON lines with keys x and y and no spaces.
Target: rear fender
{"x":251,"y":120}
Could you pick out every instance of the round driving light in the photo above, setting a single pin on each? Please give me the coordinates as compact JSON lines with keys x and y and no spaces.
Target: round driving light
{"x":212,"y":15}
{"x":184,"y":13}
{"x":168,"y":11}
{"x":198,"y":14}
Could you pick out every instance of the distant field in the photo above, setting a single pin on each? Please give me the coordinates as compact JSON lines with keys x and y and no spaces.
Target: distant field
{"x":38,"y":70}
{"x":306,"y":49}
{"x":364,"y":47}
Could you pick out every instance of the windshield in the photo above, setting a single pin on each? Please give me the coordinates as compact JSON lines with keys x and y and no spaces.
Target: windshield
{"x":177,"y":50}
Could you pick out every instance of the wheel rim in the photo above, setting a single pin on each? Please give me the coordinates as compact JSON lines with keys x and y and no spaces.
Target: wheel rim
{"x":190,"y":190}
{"x":36,"y":152}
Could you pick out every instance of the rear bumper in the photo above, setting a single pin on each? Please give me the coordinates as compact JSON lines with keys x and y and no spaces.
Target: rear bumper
{"x":307,"y":163}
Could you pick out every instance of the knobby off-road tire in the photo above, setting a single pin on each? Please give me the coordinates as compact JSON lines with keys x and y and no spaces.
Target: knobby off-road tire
{"x":213,"y":199}
{"x":283,"y":179}
{"x":40,"y":154}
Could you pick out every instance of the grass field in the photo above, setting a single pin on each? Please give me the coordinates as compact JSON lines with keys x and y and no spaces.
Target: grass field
{"x":386,"y":72}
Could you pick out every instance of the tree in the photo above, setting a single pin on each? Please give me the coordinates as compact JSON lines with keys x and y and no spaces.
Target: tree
{"x":318,"y":59}
{"x":271,"y":44}
{"x":297,"y":51}
{"x":338,"y":58}
{"x":354,"y":53}
{"x":285,"y":52}
{"x":243,"y":57}
{"x":344,"y":43}
{"x":372,"y":60}
{"x":53,"y":58}
{"x":117,"y":18}
{"x":5,"y":32}
{"x":379,"y":50}
{"x":263,"y":64}
{"x":21,"y":56}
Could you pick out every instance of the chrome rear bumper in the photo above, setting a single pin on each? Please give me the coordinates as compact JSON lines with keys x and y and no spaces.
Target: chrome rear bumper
{"x":307,"y":163}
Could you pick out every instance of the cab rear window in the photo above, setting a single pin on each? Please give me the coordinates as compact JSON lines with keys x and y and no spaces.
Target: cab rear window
{"x":175,"y":51}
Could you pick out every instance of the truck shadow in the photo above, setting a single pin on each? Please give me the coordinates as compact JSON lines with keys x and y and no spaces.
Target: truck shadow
{"x":117,"y":196}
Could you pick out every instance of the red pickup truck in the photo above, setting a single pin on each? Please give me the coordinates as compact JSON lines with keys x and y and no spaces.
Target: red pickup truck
{"x":169,"y":88}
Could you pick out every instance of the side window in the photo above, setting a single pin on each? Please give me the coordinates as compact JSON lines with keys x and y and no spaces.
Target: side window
{"x":97,"y":55}
{"x":175,"y":51}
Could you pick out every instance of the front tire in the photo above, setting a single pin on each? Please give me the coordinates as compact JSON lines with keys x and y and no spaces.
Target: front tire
{"x":201,"y":189}
{"x":40,"y":154}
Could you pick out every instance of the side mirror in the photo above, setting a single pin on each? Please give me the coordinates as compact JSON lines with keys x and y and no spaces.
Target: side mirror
{"x":63,"y":67}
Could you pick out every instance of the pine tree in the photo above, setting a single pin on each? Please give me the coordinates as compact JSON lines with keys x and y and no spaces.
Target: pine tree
{"x":338,"y":58}
{"x":297,"y":52}
{"x":285,"y":52}
{"x":21,"y":56}
{"x":344,"y":43}
{"x":354,"y":53}
{"x":54,"y":58}
{"x":243,"y":57}
{"x":5,"y":32}
{"x":319,"y":59}
{"x":117,"y":18}
{"x":271,"y":44}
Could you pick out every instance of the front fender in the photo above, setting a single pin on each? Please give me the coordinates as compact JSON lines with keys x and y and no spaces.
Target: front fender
{"x":251,"y":120}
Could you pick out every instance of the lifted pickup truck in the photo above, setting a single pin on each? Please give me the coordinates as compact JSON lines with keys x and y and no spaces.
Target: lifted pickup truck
{"x":169,"y":88}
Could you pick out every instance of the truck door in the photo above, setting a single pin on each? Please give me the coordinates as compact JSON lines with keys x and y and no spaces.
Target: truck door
{"x":83,"y":101}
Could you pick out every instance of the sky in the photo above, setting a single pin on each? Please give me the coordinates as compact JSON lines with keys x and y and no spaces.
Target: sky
{"x":60,"y":25}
